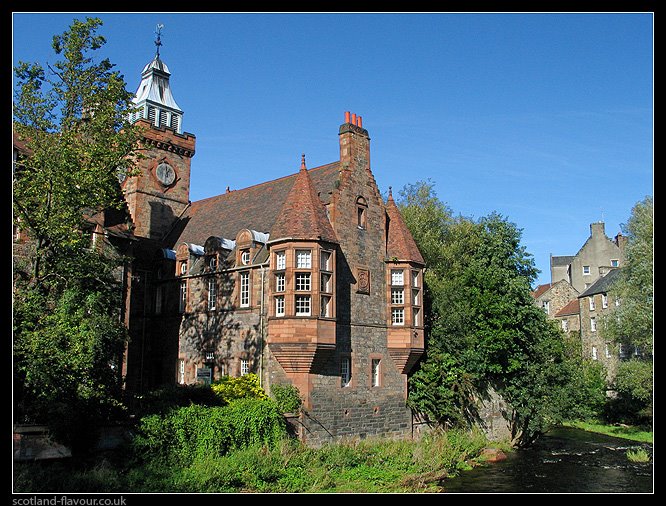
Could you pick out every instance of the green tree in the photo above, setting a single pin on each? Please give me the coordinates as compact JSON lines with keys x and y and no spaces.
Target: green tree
{"x":484,"y":329}
{"x":68,"y":336}
{"x":631,"y":324}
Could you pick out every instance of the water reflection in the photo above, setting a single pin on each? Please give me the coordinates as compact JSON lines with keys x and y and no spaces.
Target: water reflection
{"x":565,"y":460}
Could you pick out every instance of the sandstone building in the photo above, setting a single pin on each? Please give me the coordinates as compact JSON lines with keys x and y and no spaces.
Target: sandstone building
{"x":310,"y":279}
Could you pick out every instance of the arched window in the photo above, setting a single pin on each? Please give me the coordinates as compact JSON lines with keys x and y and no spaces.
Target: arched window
{"x":361,"y":212}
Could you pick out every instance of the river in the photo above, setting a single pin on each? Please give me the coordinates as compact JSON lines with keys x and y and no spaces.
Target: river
{"x":565,"y":460}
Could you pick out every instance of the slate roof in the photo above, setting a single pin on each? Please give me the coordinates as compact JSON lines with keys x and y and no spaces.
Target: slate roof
{"x":561,"y":260}
{"x":570,"y":309}
{"x":603,"y":284}
{"x":401,"y":244}
{"x":256,"y":207}
{"x":302,"y":215}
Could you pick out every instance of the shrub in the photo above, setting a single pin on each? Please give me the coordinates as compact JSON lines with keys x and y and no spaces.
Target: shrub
{"x":166,"y":398}
{"x":194,"y":432}
{"x":228,"y":388}
{"x":287,"y":397}
{"x":638,"y":455}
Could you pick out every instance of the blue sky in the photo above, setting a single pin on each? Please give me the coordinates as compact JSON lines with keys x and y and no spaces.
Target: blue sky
{"x":545,"y":118}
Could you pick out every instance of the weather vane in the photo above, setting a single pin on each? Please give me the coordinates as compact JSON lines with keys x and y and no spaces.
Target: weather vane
{"x":158,"y":41}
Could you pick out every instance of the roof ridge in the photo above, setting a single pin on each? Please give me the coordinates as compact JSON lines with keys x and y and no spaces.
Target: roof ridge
{"x":320,"y":167}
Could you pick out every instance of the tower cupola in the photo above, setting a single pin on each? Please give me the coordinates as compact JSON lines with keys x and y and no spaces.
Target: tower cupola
{"x":153,"y":98}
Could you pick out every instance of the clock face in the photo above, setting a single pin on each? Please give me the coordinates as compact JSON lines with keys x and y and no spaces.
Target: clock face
{"x":165,"y":174}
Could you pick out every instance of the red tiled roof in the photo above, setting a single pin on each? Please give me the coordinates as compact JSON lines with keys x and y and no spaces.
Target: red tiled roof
{"x":570,"y":309}
{"x":540,"y":290}
{"x":302,"y":215}
{"x":401,"y":244}
{"x":256,"y":207}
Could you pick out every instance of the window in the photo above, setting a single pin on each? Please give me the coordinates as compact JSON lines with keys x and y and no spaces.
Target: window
{"x":361,"y":213}
{"x":417,"y":317}
{"x":182,"y":299}
{"x":212,"y":294}
{"x":546,"y":306}
{"x":375,"y":372}
{"x":398,"y":316}
{"x":345,"y":371}
{"x":593,"y":324}
{"x":183,"y":268}
{"x":244,"y":289}
{"x":592,"y":304}
{"x":617,"y":302}
{"x":604,"y":300}
{"x":397,"y":277}
{"x":210,"y":356}
{"x":397,"y":296}
{"x":303,"y":259}
{"x":565,"y":325}
{"x":279,"y":305}
{"x":326,"y":285}
{"x":212,"y":263}
{"x":303,"y":305}
{"x":415,"y":279}
{"x":280,"y":260}
{"x":615,"y":262}
{"x":607,"y":349}
{"x":325,"y":309}
{"x":279,"y":282}
{"x":245,"y":367}
{"x":416,"y":297}
{"x":159,"y":294}
{"x":303,"y":281}
{"x":594,"y":353}
{"x":623,"y":351}
{"x":181,"y":371}
{"x":586,"y":270}
{"x":245,"y":257}
{"x":326,"y":261}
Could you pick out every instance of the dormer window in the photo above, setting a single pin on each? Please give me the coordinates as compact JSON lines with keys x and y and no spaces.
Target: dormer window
{"x":245,"y":257}
{"x":183,"y":268}
{"x":212,"y":263}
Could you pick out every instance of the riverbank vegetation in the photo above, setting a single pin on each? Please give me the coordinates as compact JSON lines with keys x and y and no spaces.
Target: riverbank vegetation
{"x":632,"y":433}
{"x":286,"y":465}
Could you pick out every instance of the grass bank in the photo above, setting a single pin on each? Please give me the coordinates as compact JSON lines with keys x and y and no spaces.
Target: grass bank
{"x":622,"y":431}
{"x":290,"y":467}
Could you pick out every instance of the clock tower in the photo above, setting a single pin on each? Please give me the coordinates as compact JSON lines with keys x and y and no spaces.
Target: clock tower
{"x":159,"y":195}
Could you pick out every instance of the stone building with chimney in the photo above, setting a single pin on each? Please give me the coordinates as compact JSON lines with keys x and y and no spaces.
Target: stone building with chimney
{"x":311,"y":279}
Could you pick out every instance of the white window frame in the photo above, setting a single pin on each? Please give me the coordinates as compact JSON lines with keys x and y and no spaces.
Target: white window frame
{"x":593,"y":305}
{"x":594,"y":353}
{"x":182,"y":298}
{"x":565,"y":325}
{"x":397,"y":277}
{"x":415,"y":279}
{"x":326,"y":260}
{"x":398,"y":316}
{"x":398,"y":296}
{"x":183,"y":268}
{"x":280,"y":282}
{"x":326,"y":282}
{"x":604,"y":300}
{"x":416,"y":313}
{"x":303,"y":259}
{"x":181,"y":371}
{"x":589,"y":270}
{"x":280,"y":260}
{"x":325,"y":303}
{"x":244,"y":367}
{"x":593,"y":324}
{"x":345,"y":372}
{"x":245,"y":257}
{"x":376,"y":365}
{"x":607,"y":349}
{"x":212,"y":294}
{"x":301,"y":303}
{"x":244,"y":295}
{"x":546,"y":306}
{"x":615,"y":262}
{"x":303,"y":281}
{"x":416,"y":295}
{"x":279,"y":305}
